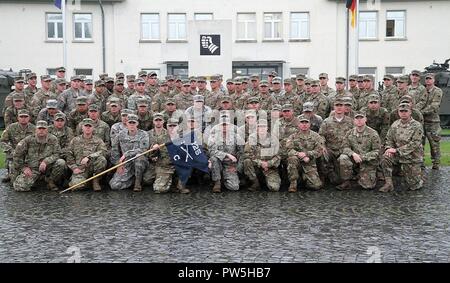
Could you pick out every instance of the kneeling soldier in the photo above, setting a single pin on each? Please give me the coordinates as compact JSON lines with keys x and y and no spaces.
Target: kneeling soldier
{"x":36,"y":156}
{"x":86,"y":156}
{"x":361,"y":150}
{"x":304,"y":148}
{"x":127,"y":144}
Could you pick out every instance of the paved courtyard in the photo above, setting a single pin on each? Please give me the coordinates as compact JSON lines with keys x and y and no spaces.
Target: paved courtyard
{"x":309,"y":226}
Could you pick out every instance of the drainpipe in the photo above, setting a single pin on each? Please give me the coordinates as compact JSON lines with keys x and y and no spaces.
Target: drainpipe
{"x":103,"y":36}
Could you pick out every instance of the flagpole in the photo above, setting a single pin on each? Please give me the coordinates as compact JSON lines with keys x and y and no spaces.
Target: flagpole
{"x":348,"y":46}
{"x":63,"y":8}
{"x":357,"y":39}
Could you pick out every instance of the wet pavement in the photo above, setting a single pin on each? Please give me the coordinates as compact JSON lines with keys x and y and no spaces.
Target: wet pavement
{"x":308,"y":226}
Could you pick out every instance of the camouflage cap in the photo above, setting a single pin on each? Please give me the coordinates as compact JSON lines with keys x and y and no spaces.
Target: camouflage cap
{"x":131,"y":78}
{"x":192,"y":79}
{"x":142,"y":101}
{"x":262,"y":123}
{"x":308,"y":81}
{"x":186,"y":82}
{"x":172,"y":121}
{"x":340,"y":80}
{"x":347,"y":100}
{"x":60,"y":81}
{"x":88,"y":81}
{"x":201,"y":79}
{"x":31,"y":75}
{"x":263,"y":83}
{"x":119,"y":82}
{"x":139,"y":81}
{"x":133,"y":118}
{"x":315,"y":83}
{"x":61,"y":69}
{"x":120,"y":75}
{"x":360,"y":79}
{"x":253,"y":99}
{"x":114,"y":101}
{"x":162,"y":83}
{"x":406,"y":99}
{"x":388,"y":77}
{"x":152,"y":74}
{"x":126,"y":112}
{"x":82,"y":77}
{"x":339,"y":100}
{"x":87,"y":121}
{"x":142,"y":74}
{"x":273,"y":73}
{"x":368,"y":78}
{"x":18,"y":97}
{"x":303,"y":118}
{"x":254,"y":76}
{"x":99,"y":83}
{"x":52,"y":104}
{"x":23,"y":112}
{"x":46,"y":78}
{"x":41,"y":124}
{"x":170,"y":78}
{"x":287,"y":106}
{"x":60,"y":115}
{"x":300,"y":77}
{"x":353,"y":78}
{"x":103,"y":76}
{"x":177,"y":79}
{"x":199,"y":98}
{"x":323,"y":75}
{"x":359,"y":114}
{"x":81,"y":100}
{"x":373,"y":98}
{"x":75,"y":78}
{"x":237,"y":81}
{"x":287,"y":81}
{"x":429,"y":75}
{"x":276,"y":80}
{"x":403,"y":79}
{"x":158,"y":116}
{"x":109,"y":80}
{"x":171,"y":101}
{"x":230,"y":81}
{"x":308,"y":107}
{"x":214,"y":78}
{"x":404,"y":106}
{"x":276,"y":107}
{"x":415,"y":72}
{"x":226,"y":98}
{"x":93,"y":107}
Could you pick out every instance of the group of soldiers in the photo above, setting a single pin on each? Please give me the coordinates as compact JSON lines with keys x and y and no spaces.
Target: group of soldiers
{"x":257,"y":133}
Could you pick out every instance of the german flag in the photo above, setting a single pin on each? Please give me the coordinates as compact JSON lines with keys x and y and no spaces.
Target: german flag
{"x":351,"y":5}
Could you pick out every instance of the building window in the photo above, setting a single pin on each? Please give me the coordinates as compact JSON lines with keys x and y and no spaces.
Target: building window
{"x":272,"y":25}
{"x":362,"y":71}
{"x":299,"y":25}
{"x":83,"y":26}
{"x":296,"y":71}
{"x":54,"y":26}
{"x":395,"y":24}
{"x":246,"y":26}
{"x":367,"y":25}
{"x":51,"y":72}
{"x":148,"y":70}
{"x":203,"y":16}
{"x":179,"y":69}
{"x":83,"y":72}
{"x":262,"y":69}
{"x":177,"y":27}
{"x":395,"y":71}
{"x":150,"y":26}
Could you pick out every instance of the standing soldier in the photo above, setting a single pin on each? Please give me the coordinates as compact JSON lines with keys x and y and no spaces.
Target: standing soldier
{"x":377,"y":117}
{"x":151,"y":87}
{"x":300,"y":84}
{"x":320,"y":101}
{"x":201,"y":84}
{"x":340,"y":90}
{"x":31,"y":89}
{"x":275,"y":87}
{"x":415,"y":113}
{"x":231,"y":88}
{"x":193,"y":86}
{"x":145,"y":118}
{"x":389,"y":88}
{"x":112,"y":115}
{"x":40,"y":98}
{"x":266,"y":100}
{"x":36,"y":156}
{"x":416,"y":89}
{"x":69,"y":97}
{"x":353,"y":85}
{"x":101,"y":129}
{"x":130,"y":85}
{"x":366,"y":92}
{"x":361,"y":151}
{"x":109,"y":84}
{"x":200,"y":112}
{"x":304,"y":147}
{"x":11,"y":112}
{"x":213,"y":98}
{"x":88,"y":87}
{"x":324,"y":88}
{"x":48,"y":113}
{"x":118,"y":93}
{"x":78,"y":114}
{"x":122,"y":125}
{"x":86,"y":156}
{"x":59,"y":89}
{"x":240,"y":96}
{"x":18,"y":89}
{"x":97,"y":97}
{"x":403,"y":147}
{"x":64,"y":134}
{"x":184,"y":99}
{"x":138,"y":94}
{"x":60,"y":75}
{"x":429,"y":105}
{"x":289,"y":97}
{"x":12,"y":135}
{"x":126,"y":145}
{"x":314,"y":120}
{"x":254,"y":88}
{"x":171,"y":111}
{"x":160,"y":98}
{"x":391,"y":100}
{"x":261,"y":158}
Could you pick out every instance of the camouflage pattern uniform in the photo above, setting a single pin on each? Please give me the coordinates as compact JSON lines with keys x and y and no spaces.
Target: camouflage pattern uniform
{"x":367,"y":144}
{"x":99,"y":100}
{"x":415,"y":114}
{"x":417,"y":92}
{"x":321,"y":104}
{"x":161,"y":168}
{"x":391,"y":100}
{"x":10,"y":115}
{"x":111,"y":119}
{"x":101,"y":130}
{"x":184,"y":101}
{"x":213,"y":99}
{"x":379,"y":120}
{"x":363,"y":98}
{"x":40,"y":100}
{"x":68,"y":99}
{"x":132,"y":100}
{"x":64,"y":135}
{"x":74,"y":118}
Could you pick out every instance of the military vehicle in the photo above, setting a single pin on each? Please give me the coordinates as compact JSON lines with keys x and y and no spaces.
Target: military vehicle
{"x":6,"y":82}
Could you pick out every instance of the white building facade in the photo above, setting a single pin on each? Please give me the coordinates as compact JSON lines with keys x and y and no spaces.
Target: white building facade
{"x":291,"y":37}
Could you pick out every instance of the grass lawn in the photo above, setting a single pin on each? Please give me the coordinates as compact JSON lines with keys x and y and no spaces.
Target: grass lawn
{"x":445,"y":132}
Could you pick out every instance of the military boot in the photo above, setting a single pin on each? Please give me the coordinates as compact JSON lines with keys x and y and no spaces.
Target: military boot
{"x":217,"y":187}
{"x":388,"y":186}
{"x":344,"y":186}
{"x":293,"y":186}
{"x":255,"y":186}
{"x":96,"y":185}
{"x":7,"y":179}
{"x":182,"y":188}
{"x":137,"y":186}
{"x":51,"y":185}
{"x":435,"y":166}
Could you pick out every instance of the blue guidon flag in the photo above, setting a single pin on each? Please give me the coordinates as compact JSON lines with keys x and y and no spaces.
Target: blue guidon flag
{"x":187,"y":153}
{"x":58,"y":3}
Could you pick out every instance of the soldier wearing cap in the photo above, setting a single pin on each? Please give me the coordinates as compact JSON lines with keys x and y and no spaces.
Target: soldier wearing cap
{"x":88,"y":86}
{"x":251,"y":118}
{"x":253,"y":103}
{"x":170,"y":79}
{"x":101,"y":128}
{"x":389,"y":88}
{"x":82,"y":84}
{"x":361,"y":148}
{"x":271,"y":76}
{"x":366,"y":92}
{"x":159,"y":100}
{"x":118,"y":93}
{"x":261,"y":158}
{"x":39,"y":100}
{"x":179,"y":85}
{"x":415,"y":113}
{"x":254,"y":85}
{"x":126,"y":145}
{"x":333,"y":129}
{"x":139,"y":94}
{"x":112,"y":115}
{"x":390,"y":100}
{"x":18,"y":88}
{"x":340,"y":90}
{"x":304,"y":147}
{"x":78,"y":114}
{"x":171,"y":111}
{"x":151,"y":84}
{"x":300,"y":84}
{"x":48,"y":113}
{"x":266,"y":99}
{"x":314,"y":120}
{"x":240,"y":95}
{"x":60,"y":87}
{"x":120,"y":76}
{"x":97,"y":97}
{"x":377,"y":117}
{"x":10,"y":115}
{"x":37,"y":156}
{"x":360,"y":83}
{"x":429,"y":106}
{"x":353,"y":85}
{"x":275,"y":87}
{"x":86,"y":156}
{"x":416,"y":89}
{"x":61,"y":75}
{"x":130,"y":85}
{"x":64,"y":134}
{"x":201,"y":84}
{"x":324,"y":88}
{"x":12,"y":135}
{"x":142,"y":74}
{"x":69,"y":97}
{"x":31,"y":89}
{"x":225,"y":147}
{"x":109,"y":84}
{"x":320,"y":101}
{"x":403,"y":148}
{"x":200,"y":112}
{"x":231,"y":88}
{"x":184,"y":99}
{"x":348,"y":106}
{"x":288,"y":96}
{"x":193,"y":85}
{"x":122,"y":125}
{"x":213,"y":98}
{"x":145,"y":116}
{"x":226,"y":104}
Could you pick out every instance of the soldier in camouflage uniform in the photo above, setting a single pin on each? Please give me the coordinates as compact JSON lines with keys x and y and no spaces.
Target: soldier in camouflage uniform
{"x":97,"y":97}
{"x":429,"y":105}
{"x":36,"y":156}
{"x":78,"y":114}
{"x":64,"y":134}
{"x":184,"y":99}
{"x":60,"y":76}
{"x":151,"y":87}
{"x":200,"y":112}
{"x":101,"y":129}
{"x":361,"y":148}
{"x":240,"y":96}
{"x":159,"y":100}
{"x":130,"y":90}
{"x":88,"y":86}
{"x":112,"y":115}
{"x":31,"y":89}
{"x":300,"y":84}
{"x":213,"y":98}
{"x":12,"y":135}
{"x":11,"y":112}
{"x":353,"y":86}
{"x":289,"y":97}
{"x":261,"y":158}
{"x":391,"y":99}
{"x":86,"y":156}
{"x":224,"y":147}
{"x":139,"y":94}
{"x":126,"y":145}
{"x":389,"y":89}
{"x":321,"y":104}
{"x":403,"y":147}
{"x":48,"y":113}
{"x":145,"y":116}
{"x":254,"y":88}
{"x":171,"y":111}
{"x":42,"y":96}
{"x":377,"y":117}
{"x":366,"y":92}
{"x":69,"y":97}
{"x":415,"y":114}
{"x":231,"y":88}
{"x":201,"y":84}
{"x":109,"y":86}
{"x":19,"y":83}
{"x":304,"y":147}
{"x":193,"y":87}
{"x":118,"y":93}
{"x":416,"y":89}
{"x":59,"y":89}
{"x":275,"y":87}
{"x":314,"y":120}
{"x":249,"y":127}
{"x":324,"y":88}
{"x":266,"y":100}
{"x":122,"y":125}
{"x":340,"y":91}
{"x":334,"y":129}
